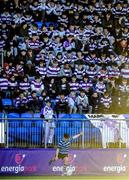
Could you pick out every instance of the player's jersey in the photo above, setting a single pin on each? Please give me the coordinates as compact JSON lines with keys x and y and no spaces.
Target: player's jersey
{"x":47,"y":112}
{"x":64,"y":146}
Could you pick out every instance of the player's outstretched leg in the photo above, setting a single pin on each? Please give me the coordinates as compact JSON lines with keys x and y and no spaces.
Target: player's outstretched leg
{"x":65,"y":166}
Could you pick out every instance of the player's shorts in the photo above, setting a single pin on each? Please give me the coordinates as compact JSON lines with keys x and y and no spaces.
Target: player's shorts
{"x":62,"y":156}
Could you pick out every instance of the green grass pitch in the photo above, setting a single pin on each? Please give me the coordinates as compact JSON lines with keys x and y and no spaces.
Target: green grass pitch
{"x":64,"y":177}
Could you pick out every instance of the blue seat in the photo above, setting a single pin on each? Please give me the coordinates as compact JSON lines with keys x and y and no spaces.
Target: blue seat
{"x":48,"y":23}
{"x":77,"y":116}
{"x":36,"y":115}
{"x":39,"y":24}
{"x":26,"y":115}
{"x":63,"y":116}
{"x":6,"y":102}
{"x":13,"y":115}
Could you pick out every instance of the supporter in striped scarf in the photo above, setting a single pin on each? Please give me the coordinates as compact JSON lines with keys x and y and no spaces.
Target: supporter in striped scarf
{"x":66,"y":70}
{"x":20,"y":103}
{"x":106,"y":102}
{"x":86,"y":85}
{"x":41,"y":69}
{"x":103,"y":74}
{"x":2,"y":44}
{"x":34,"y":43}
{"x":114,"y":71}
{"x":74,"y":85}
{"x":61,"y":104}
{"x":34,"y":30}
{"x":37,"y":85}
{"x":125,"y":72}
{"x":100,"y":87}
{"x":6,"y":17}
{"x":124,"y":87}
{"x":3,"y":84}
{"x":80,"y":72}
{"x":53,"y":70}
{"x":24,"y":85}
{"x":91,"y":72}
{"x":27,"y":18}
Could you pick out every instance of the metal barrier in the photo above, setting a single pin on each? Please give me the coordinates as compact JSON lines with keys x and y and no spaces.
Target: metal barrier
{"x":30,"y":132}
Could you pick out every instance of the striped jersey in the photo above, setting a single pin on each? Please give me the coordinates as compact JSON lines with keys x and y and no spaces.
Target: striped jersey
{"x":47,"y":112}
{"x":2,"y":44}
{"x":114,"y":72}
{"x":3,"y":83}
{"x":64,"y":146}
{"x":106,"y":101}
{"x":6,"y":17}
{"x":79,"y":73}
{"x":86,"y":85}
{"x":35,"y":44}
{"x":100,"y":87}
{"x":41,"y":70}
{"x":74,"y":86}
{"x":20,"y":101}
{"x":24,"y":86}
{"x":125,"y":73}
{"x":53,"y":71}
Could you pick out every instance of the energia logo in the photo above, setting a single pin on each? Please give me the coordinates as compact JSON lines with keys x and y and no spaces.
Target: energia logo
{"x":19,"y":158}
{"x":15,"y":169}
{"x":120,"y":159}
{"x":18,"y":168}
{"x":117,"y":169}
{"x":70,"y":169}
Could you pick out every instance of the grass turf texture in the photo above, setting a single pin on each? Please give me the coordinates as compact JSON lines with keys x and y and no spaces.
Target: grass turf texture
{"x":65,"y":177}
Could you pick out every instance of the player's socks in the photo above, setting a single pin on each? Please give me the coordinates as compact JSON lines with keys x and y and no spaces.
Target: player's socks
{"x":64,"y":173}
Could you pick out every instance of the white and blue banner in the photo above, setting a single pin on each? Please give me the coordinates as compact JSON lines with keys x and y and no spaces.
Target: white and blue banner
{"x":113,"y":127}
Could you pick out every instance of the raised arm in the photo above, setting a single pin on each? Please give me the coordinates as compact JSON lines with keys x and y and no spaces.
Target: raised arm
{"x":77,"y":135}
{"x":57,"y":153}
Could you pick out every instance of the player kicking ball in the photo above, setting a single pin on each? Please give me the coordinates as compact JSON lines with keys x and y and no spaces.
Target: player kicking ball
{"x":63,"y":150}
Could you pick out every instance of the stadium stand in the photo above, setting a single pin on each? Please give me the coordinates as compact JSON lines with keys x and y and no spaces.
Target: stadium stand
{"x":74,"y":53}
{"x":62,"y":46}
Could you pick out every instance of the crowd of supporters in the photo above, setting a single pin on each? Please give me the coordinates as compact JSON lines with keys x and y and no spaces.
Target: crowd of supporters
{"x":74,"y":53}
